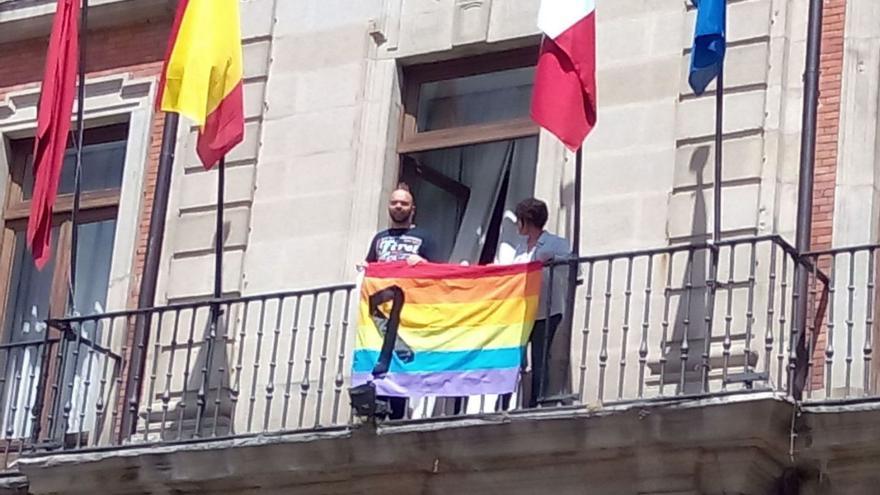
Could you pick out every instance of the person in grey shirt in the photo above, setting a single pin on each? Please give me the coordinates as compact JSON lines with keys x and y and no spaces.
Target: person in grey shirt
{"x":539,"y":245}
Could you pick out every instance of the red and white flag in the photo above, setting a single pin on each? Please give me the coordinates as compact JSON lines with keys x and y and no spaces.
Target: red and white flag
{"x":564,"y":97}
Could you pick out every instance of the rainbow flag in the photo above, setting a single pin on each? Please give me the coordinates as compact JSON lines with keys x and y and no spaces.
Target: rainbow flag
{"x":461,"y":330}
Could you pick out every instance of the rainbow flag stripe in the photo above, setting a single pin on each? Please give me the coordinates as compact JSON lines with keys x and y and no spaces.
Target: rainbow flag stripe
{"x":461,"y":329}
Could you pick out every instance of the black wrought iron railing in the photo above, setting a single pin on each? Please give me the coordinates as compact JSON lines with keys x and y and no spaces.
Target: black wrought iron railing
{"x":685,"y":320}
{"x":841,"y":365}
{"x":676,"y":321}
{"x":673,"y":322}
{"x":213,"y":368}
{"x":22,"y":365}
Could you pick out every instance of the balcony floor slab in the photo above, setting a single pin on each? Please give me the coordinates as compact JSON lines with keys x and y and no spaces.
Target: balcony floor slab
{"x":727,"y":444}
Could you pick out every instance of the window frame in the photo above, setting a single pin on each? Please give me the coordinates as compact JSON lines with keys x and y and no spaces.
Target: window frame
{"x":413,"y":141}
{"x":95,"y":206}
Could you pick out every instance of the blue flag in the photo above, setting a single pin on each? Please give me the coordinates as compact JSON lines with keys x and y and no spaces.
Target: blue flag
{"x":710,"y":43}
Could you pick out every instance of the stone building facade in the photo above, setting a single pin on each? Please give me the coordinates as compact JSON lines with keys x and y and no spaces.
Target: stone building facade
{"x":344,"y":99}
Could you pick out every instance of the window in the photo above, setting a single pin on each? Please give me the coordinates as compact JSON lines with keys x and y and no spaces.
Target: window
{"x":29,"y":296}
{"x":468,"y":149}
{"x":32,"y":295}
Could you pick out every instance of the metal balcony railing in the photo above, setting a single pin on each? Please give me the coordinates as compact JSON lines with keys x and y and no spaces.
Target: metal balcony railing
{"x":22,"y":365}
{"x":215,"y":368}
{"x":841,"y":345}
{"x":688,"y":320}
{"x":673,"y":322}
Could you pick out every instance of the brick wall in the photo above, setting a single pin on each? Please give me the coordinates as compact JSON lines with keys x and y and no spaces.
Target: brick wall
{"x":137,"y":50}
{"x":828,"y":127}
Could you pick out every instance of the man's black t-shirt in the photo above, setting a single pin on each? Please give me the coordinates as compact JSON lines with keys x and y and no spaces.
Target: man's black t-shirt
{"x":399,"y":244}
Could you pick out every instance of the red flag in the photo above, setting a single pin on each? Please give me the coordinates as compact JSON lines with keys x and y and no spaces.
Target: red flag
{"x":564,"y":98}
{"x":53,"y":125}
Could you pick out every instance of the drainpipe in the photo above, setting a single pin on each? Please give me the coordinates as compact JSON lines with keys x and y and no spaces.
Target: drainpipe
{"x":147,"y":296}
{"x":799,"y":357}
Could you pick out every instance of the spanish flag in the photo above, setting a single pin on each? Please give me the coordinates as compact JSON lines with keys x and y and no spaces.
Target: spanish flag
{"x":202,"y":79}
{"x":444,"y":330}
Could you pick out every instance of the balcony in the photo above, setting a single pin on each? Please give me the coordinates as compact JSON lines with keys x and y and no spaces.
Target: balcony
{"x":689,"y":350}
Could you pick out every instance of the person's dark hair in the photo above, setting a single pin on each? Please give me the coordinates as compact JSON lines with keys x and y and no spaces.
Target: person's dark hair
{"x":403,"y":186}
{"x":532,"y":211}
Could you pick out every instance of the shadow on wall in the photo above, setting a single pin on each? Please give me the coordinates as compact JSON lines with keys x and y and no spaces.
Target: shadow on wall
{"x":689,"y":336}
{"x":204,"y":405}
{"x":209,"y":403}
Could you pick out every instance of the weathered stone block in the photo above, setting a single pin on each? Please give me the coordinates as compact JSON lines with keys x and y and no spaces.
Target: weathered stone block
{"x":512,"y":19}
{"x":628,"y":171}
{"x":319,"y":49}
{"x":696,"y":118}
{"x":308,"y":133}
{"x":652,"y":80}
{"x":246,"y":150}
{"x":199,"y":189}
{"x":289,"y":219}
{"x":257,"y":17}
{"x":470,"y":21}
{"x":304,"y":262}
{"x":323,"y":172}
{"x":745,"y":20}
{"x":254,"y":95}
{"x":194,"y":276}
{"x":632,"y":126}
{"x":331,"y":87}
{"x":690,"y":213}
{"x":256,"y":58}
{"x":743,"y":159}
{"x":426,"y":26}
{"x":195,"y":231}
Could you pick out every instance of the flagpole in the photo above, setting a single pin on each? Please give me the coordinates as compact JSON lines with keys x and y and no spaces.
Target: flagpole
{"x":218,"y":233}
{"x":156,"y":235}
{"x":571,"y":294}
{"x":578,"y":179}
{"x":719,"y":154}
{"x":799,"y":356}
{"x":80,"y":135}
{"x":216,"y":312}
{"x":574,"y":265}
{"x":153,"y":257}
{"x":712,"y":280}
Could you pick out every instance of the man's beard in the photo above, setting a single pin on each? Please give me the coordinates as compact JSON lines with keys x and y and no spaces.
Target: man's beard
{"x":400,"y":216}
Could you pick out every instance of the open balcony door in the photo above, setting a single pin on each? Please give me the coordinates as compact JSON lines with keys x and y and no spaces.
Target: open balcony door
{"x":472,"y":228}
{"x":468,"y":150}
